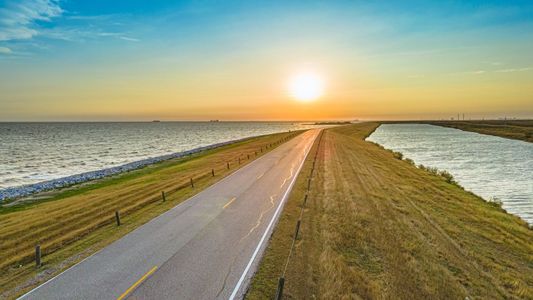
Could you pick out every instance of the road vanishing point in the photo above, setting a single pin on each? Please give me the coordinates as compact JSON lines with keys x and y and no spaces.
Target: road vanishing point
{"x":207,"y":247}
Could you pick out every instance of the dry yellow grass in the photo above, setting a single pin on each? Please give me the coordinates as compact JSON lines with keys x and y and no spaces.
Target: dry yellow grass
{"x":77,"y":222}
{"x":376,"y":227}
{"x":511,"y":129}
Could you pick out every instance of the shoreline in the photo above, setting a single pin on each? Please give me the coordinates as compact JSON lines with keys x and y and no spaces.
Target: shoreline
{"x":505,"y":202}
{"x":77,"y":222}
{"x":367,"y":218}
{"x":17,"y":192}
{"x":520,"y":129}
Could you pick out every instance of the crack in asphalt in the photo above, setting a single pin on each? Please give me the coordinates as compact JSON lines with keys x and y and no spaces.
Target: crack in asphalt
{"x":285,"y":180}
{"x":244,"y":237}
{"x":259,"y":220}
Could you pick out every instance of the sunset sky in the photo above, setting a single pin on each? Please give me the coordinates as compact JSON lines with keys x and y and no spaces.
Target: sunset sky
{"x":234,"y":60}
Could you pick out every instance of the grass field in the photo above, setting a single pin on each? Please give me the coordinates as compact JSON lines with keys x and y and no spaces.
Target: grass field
{"x":375,"y":226}
{"x":512,"y":129}
{"x":75,"y":223}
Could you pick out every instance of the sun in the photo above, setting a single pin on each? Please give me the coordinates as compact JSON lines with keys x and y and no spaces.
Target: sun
{"x":306,"y":86}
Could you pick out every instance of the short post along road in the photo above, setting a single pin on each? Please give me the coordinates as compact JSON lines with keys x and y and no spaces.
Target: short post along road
{"x":204,"y":248}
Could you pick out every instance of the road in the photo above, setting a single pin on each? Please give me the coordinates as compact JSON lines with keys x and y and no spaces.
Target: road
{"x":207,"y":247}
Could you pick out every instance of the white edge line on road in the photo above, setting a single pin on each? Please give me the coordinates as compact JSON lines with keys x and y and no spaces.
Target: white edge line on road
{"x":175,"y":207}
{"x":267,"y":230}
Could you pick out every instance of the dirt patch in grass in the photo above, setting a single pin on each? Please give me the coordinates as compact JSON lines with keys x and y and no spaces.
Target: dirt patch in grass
{"x":376,"y":226}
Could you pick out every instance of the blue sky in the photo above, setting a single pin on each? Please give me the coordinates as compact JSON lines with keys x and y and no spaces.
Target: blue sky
{"x":33,"y":26}
{"x":53,"y":52}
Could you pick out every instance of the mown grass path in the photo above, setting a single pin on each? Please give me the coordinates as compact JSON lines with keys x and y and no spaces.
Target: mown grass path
{"x":376,"y":226}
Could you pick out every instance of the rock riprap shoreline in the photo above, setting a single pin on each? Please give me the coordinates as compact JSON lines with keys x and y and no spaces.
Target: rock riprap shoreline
{"x":26,"y":190}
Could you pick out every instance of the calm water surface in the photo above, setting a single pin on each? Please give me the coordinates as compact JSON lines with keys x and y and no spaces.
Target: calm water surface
{"x":489,"y":166}
{"x":35,"y":152}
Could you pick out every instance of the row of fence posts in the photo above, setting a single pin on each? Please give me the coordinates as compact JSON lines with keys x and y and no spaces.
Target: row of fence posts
{"x":38,"y":253}
{"x":281,"y":280}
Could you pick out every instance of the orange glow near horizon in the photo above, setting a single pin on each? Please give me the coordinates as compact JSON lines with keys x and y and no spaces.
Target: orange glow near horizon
{"x":297,"y":61}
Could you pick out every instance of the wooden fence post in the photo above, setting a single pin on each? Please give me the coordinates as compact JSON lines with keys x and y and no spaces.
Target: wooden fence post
{"x":281,"y":283}
{"x":38,"y":256}
{"x":297,"y":229}
{"x":117,"y":217}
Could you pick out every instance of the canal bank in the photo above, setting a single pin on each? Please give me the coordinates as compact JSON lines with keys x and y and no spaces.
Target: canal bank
{"x":375,"y":226}
{"x":494,"y":168}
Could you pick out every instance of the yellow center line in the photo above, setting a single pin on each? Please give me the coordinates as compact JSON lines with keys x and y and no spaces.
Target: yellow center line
{"x":231,"y":201}
{"x":137,"y":283}
{"x":260,"y":176}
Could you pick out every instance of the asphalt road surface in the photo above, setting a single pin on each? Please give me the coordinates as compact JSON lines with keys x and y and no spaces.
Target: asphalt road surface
{"x":207,"y":247}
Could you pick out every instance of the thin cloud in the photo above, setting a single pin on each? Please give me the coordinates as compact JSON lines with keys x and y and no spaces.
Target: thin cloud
{"x":93,"y":17}
{"x":22,"y":20}
{"x":71,"y":34}
{"x":475,"y":72}
{"x":18,"y":18}
{"x":437,"y":51}
{"x":480,"y":72}
{"x":109,"y":34}
{"x":493,"y":63}
{"x":118,"y":35}
{"x":130,"y":39}
{"x":5,"y":50}
{"x":513,"y":70}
